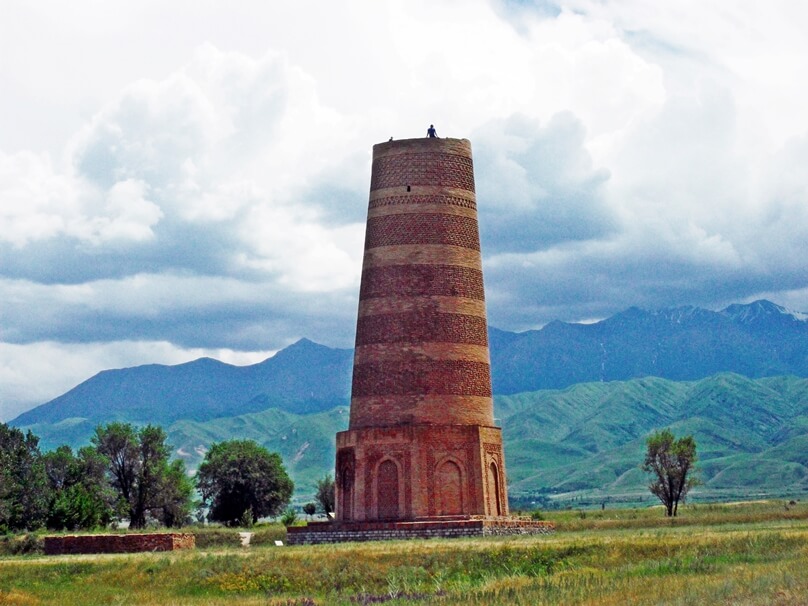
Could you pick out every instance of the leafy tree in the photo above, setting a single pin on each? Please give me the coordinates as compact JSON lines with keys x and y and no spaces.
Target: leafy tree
{"x":140,"y":473}
{"x":309,"y":509}
{"x":23,"y":484}
{"x":176,"y":496}
{"x":671,"y":461}
{"x":325,"y":494}
{"x":240,"y":475}
{"x":80,"y":496}
{"x":119,"y":444}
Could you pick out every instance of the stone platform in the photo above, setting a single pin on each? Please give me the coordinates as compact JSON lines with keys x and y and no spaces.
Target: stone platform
{"x":118,"y":543}
{"x":338,"y":532}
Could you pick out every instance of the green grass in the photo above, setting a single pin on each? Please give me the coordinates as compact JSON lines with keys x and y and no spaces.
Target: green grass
{"x":753,"y":553}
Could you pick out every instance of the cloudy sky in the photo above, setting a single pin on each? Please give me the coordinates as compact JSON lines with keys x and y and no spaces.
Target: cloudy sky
{"x":181,"y":178}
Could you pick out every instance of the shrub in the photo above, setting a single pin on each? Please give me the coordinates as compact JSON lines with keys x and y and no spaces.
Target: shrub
{"x":289,"y":517}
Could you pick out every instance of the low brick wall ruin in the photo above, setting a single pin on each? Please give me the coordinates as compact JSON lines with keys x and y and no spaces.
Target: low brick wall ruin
{"x":118,"y":543}
{"x":337,"y":532}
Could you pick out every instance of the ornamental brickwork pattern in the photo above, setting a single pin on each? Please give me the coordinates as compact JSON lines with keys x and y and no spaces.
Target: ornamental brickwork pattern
{"x":422,"y":280}
{"x":401,"y":200}
{"x":417,"y":228}
{"x":421,"y":326}
{"x":433,"y":168}
{"x":422,"y":377}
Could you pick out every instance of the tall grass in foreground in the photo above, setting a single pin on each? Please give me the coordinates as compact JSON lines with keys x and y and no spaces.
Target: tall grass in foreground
{"x":690,"y":515}
{"x":761,"y":561}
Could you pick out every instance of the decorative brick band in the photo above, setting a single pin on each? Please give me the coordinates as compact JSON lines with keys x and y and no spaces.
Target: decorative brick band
{"x":421,"y":190}
{"x":118,"y":543}
{"x":440,"y":410}
{"x":431,"y":200}
{"x":422,"y":209}
{"x":378,"y":352}
{"x":446,"y":305}
{"x":422,"y":254}
{"x":422,"y":228}
{"x":422,"y":281}
{"x":429,"y":168}
{"x":420,"y":377}
{"x":421,"y":327}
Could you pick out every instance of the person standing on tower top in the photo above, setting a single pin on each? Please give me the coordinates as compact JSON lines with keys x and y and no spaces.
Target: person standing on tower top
{"x":431,"y":132}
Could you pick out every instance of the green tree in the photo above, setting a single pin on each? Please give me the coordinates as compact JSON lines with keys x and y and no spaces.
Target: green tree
{"x":309,"y":509}
{"x":23,"y":484}
{"x":119,"y":444}
{"x":80,"y":496}
{"x":240,"y":475}
{"x":139,"y":470}
{"x":325,"y":494}
{"x":671,"y":461}
{"x":176,"y":496}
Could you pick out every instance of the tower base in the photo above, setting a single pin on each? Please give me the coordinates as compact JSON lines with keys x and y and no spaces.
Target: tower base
{"x":412,"y":472}
{"x":338,"y":532}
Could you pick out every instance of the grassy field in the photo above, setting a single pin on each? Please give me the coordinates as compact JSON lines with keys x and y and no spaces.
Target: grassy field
{"x":753,"y":553}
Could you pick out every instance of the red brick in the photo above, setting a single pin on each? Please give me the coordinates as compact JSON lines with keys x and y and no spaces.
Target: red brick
{"x":421,"y":228}
{"x":118,"y":543}
{"x":424,"y":326}
{"x":422,"y":280}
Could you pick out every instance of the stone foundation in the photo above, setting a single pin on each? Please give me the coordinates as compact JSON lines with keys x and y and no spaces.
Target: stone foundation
{"x":338,"y":532}
{"x":118,"y":543}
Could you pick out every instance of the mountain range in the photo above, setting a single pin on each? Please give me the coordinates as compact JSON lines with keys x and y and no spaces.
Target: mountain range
{"x":574,"y":400}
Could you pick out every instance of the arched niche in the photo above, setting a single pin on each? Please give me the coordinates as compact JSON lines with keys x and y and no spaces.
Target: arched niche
{"x":387,"y":490}
{"x":494,"y":502}
{"x":449,"y":486}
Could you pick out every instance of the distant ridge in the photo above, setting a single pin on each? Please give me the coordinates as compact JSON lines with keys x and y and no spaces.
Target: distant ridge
{"x":759,"y":339}
{"x":303,"y":378}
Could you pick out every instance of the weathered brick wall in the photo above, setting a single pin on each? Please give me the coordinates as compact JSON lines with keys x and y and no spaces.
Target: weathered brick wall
{"x":118,"y":543}
{"x":319,"y":533}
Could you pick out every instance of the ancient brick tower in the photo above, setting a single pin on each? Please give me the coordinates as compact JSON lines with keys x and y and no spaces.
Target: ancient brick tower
{"x":421,"y":441}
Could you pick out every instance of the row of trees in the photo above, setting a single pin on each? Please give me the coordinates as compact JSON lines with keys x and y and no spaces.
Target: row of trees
{"x":127,"y":473}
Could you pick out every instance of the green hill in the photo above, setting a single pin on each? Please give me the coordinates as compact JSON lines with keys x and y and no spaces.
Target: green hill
{"x":588,"y":440}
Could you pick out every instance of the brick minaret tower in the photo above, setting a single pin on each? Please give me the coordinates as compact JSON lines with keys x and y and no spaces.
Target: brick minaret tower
{"x":421,"y":442}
